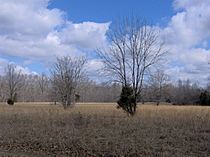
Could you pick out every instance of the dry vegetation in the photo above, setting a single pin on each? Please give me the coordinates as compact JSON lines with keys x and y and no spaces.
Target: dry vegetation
{"x":102,"y":130}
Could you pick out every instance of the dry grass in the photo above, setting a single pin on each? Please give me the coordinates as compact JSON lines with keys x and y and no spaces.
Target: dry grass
{"x":102,"y":130}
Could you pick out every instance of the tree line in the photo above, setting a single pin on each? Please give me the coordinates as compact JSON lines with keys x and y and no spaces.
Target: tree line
{"x":19,"y":87}
{"x":40,"y":88}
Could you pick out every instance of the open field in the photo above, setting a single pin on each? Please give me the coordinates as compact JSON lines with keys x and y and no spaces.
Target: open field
{"x":102,"y":130}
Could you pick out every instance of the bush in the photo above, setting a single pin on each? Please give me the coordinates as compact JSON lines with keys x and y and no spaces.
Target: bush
{"x":10,"y":102}
{"x":127,"y":100}
{"x":204,"y":98}
{"x":168,"y":100}
{"x":77,"y":97}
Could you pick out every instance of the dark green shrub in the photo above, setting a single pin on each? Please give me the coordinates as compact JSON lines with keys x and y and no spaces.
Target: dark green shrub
{"x":77,"y":97}
{"x":127,"y":100}
{"x":168,"y":100}
{"x":10,"y":102}
{"x":204,"y":98}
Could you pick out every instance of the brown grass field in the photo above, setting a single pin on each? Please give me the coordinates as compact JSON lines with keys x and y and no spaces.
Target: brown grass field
{"x":40,"y":130}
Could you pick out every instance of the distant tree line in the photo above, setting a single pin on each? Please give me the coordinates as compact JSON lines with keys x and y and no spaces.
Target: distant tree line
{"x":181,"y":93}
{"x":19,"y":87}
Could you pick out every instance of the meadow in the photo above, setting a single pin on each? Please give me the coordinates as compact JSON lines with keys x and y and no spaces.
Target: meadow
{"x":91,"y":129}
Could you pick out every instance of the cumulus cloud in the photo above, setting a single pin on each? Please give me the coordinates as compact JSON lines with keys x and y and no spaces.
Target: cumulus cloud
{"x":23,"y":69}
{"x":94,"y":64}
{"x":185,"y":4}
{"x":187,"y":39}
{"x":28,"y":20}
{"x":191,"y":26}
{"x":3,"y":62}
{"x":93,"y":69}
{"x":29,"y":29}
{"x":86,"y":34}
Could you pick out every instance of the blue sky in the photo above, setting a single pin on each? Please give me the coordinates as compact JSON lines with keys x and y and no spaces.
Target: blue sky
{"x":157,"y":11}
{"x":34,"y":32}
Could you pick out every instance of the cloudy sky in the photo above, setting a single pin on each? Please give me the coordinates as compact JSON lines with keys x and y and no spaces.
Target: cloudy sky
{"x":34,"y":32}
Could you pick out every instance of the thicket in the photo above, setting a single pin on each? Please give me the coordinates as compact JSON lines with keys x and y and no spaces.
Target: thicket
{"x":127,"y":100}
{"x":204,"y":98}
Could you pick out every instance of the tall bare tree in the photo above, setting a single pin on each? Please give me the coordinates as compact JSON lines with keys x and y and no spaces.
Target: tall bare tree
{"x":157,"y":81}
{"x":66,"y":74}
{"x":14,"y":82}
{"x":134,"y":47}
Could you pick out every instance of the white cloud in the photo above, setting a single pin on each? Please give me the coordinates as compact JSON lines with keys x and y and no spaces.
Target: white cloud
{"x":25,"y":70}
{"x":187,"y":38}
{"x":27,"y":20}
{"x":191,"y":26}
{"x":85,"y":35}
{"x":191,"y":64}
{"x":93,"y":69}
{"x":94,"y":64}
{"x":3,"y":62}
{"x":185,"y":4}
{"x":29,"y":29}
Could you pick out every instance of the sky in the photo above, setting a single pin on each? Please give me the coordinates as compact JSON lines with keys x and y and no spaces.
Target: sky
{"x":34,"y":32}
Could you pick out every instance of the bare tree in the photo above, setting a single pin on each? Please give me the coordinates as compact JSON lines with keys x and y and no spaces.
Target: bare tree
{"x":157,"y":81}
{"x":53,"y":92}
{"x":2,"y":89}
{"x":66,"y":74}
{"x":14,"y":81}
{"x":134,"y":47}
{"x":43,"y":83}
{"x":30,"y":91}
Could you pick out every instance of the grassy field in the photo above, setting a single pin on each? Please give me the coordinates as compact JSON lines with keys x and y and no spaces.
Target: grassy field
{"x":102,"y":130}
